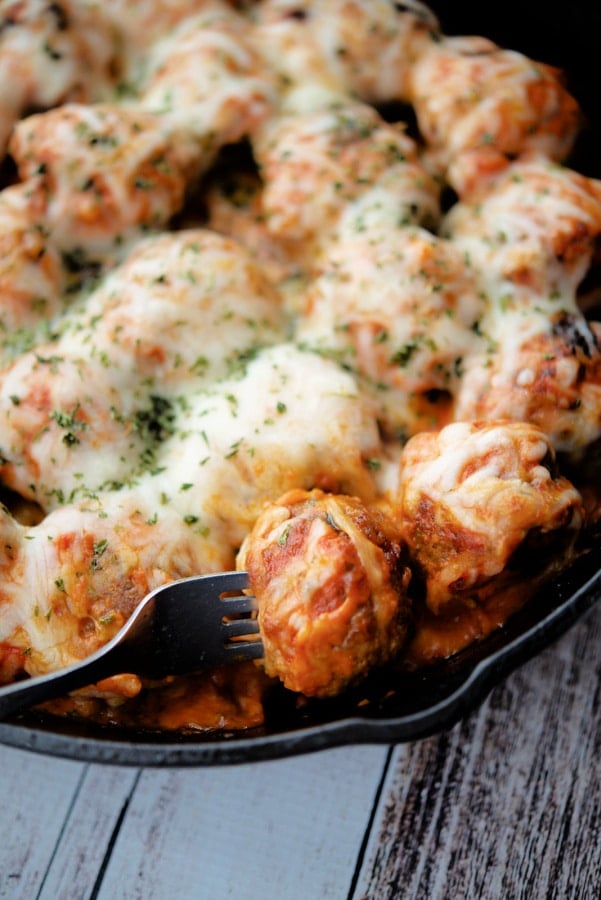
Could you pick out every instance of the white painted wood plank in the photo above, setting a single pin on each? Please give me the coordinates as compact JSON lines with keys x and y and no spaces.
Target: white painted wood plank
{"x":86,"y":839}
{"x":36,"y":794}
{"x":508,"y":804}
{"x":283,"y":830}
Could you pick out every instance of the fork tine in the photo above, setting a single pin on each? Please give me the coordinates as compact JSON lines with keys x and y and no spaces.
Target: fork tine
{"x":240,"y":627}
{"x":243,"y":650}
{"x":241,"y":603}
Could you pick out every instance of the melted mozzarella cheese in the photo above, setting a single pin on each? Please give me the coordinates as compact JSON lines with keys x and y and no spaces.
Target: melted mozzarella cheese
{"x":478,"y":105}
{"x":326,"y":49}
{"x":291,"y":419}
{"x":182,"y":311}
{"x":32,"y":274}
{"x":209,"y":76}
{"x":101,"y":174}
{"x":531,"y":235}
{"x":317,"y":164}
{"x":162,"y":386}
{"x":51,"y":53}
{"x":398,"y":307}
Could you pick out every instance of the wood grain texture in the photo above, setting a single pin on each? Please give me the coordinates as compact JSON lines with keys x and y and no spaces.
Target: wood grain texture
{"x":35,"y":799}
{"x":507,"y":804}
{"x":56,"y":819}
{"x":94,"y":818}
{"x":284,"y":830}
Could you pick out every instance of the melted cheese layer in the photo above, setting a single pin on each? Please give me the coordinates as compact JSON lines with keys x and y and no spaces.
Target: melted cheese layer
{"x":176,"y":357}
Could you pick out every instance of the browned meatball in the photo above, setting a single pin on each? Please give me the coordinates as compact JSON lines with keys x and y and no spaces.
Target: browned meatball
{"x":472,"y":495}
{"x":331,"y":584}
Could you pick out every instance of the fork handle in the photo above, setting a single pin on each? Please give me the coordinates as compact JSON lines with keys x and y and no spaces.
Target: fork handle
{"x":22,"y":694}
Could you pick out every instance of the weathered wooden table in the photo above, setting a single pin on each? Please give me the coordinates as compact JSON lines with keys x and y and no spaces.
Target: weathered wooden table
{"x":506,"y":805}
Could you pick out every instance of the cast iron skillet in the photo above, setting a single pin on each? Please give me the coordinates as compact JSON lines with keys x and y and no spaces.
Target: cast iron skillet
{"x":394,"y":707}
{"x":388,"y":708}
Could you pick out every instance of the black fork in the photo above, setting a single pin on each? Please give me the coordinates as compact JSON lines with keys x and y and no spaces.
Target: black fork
{"x":185,"y":626}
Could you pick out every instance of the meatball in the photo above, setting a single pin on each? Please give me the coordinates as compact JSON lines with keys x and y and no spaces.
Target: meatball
{"x":531,"y":236}
{"x":474,"y":494}
{"x":128,"y":176}
{"x":331,"y":584}
{"x":399,"y":311}
{"x":479,"y":105}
